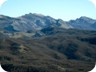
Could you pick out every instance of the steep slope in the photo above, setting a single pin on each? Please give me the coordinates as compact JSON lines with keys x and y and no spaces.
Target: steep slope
{"x":5,"y":22}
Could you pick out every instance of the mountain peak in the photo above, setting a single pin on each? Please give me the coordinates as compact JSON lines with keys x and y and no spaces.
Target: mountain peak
{"x":2,"y":16}
{"x":34,"y":14}
{"x":86,"y":18}
{"x":38,"y":14}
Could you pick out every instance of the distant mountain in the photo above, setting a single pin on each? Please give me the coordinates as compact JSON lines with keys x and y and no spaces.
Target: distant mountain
{"x":83,"y":23}
{"x":30,"y":22}
{"x":34,"y":22}
{"x":38,"y":43}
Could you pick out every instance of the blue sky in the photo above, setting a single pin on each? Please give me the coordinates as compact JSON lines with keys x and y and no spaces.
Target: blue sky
{"x":64,"y":9}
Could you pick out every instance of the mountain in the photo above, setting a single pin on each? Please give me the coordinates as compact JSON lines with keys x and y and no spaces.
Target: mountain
{"x":30,"y":22}
{"x":38,"y":43}
{"x":83,"y":23}
{"x":34,"y":22}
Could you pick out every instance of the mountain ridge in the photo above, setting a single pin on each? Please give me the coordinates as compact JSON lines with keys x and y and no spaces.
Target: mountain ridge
{"x":37,"y":43}
{"x":33,"y":22}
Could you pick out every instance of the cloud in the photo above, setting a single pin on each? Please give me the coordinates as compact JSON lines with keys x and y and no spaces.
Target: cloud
{"x":94,"y":2}
{"x":2,"y":2}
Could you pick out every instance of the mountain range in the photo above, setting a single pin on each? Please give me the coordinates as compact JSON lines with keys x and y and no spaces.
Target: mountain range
{"x":38,"y":43}
{"x":33,"y":22}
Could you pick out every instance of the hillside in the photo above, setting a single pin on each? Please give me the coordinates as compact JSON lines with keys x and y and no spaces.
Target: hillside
{"x":38,"y":43}
{"x":65,"y":51}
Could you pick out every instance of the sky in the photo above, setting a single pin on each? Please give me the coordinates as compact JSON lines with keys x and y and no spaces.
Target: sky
{"x":63,"y":9}
{"x":93,"y":1}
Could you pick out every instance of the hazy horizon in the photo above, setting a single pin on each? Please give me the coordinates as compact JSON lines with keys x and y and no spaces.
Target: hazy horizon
{"x":48,"y":15}
{"x":64,"y":9}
